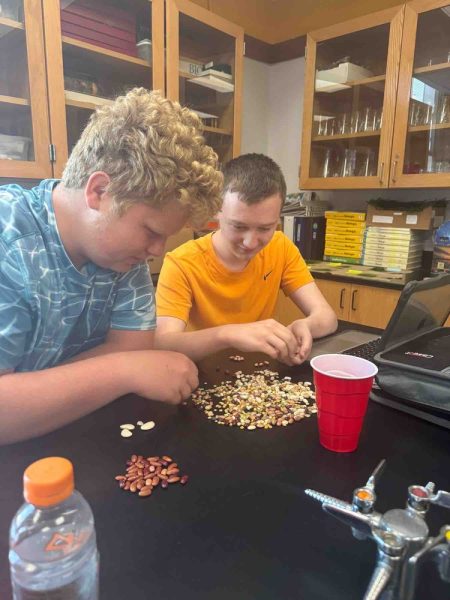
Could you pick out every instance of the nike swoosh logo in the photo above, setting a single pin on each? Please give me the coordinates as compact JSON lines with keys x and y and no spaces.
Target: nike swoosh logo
{"x":267,"y":275}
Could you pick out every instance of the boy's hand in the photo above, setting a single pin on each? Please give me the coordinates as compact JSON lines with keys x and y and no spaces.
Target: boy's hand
{"x":268,"y":336}
{"x":161,"y":375}
{"x":304,"y":338}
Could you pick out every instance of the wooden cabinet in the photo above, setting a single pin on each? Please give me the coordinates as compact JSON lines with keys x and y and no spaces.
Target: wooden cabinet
{"x":285,"y":310}
{"x":421,"y":145}
{"x":93,"y":55}
{"x":24,"y":131}
{"x":377,"y":101}
{"x":61,"y":59}
{"x":195,"y":39}
{"x":184,"y":235}
{"x":362,"y":304}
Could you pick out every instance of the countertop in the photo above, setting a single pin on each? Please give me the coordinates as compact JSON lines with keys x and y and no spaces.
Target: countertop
{"x":242,"y":527}
{"x":371,"y":281}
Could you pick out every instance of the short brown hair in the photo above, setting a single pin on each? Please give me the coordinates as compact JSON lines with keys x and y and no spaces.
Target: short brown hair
{"x":153,"y":151}
{"x":254,"y":177}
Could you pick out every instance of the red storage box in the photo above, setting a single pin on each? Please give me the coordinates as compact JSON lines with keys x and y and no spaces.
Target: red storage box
{"x":102,"y":25}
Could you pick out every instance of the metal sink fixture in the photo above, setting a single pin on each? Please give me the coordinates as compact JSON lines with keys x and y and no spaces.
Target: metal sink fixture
{"x":401,"y":535}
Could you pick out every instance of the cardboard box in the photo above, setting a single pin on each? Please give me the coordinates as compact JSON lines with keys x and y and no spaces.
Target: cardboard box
{"x":344,"y":72}
{"x":427,"y":218}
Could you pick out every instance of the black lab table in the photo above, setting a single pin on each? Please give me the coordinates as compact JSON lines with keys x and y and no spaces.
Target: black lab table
{"x":242,"y":528}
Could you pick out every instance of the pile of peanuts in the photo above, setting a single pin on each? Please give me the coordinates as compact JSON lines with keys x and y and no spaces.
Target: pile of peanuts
{"x":143,"y":475}
{"x":260,"y":400}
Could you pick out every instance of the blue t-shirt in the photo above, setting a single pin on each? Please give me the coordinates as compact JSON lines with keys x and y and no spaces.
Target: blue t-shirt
{"x":49,"y":310}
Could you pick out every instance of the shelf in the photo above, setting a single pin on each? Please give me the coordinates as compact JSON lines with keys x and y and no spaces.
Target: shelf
{"x":217,"y":130}
{"x":214,"y":83}
{"x":421,"y":128}
{"x":108,"y":54}
{"x":431,"y":68}
{"x":346,"y":136}
{"x":7,"y":25}
{"x":369,"y":81}
{"x":84,"y":100}
{"x":436,"y":76}
{"x":14,"y":100}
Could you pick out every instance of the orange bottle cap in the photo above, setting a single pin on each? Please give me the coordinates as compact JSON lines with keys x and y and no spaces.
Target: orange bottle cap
{"x":48,"y":481}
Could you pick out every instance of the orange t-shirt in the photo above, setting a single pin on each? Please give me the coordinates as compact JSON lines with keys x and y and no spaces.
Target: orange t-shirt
{"x":197,"y":288}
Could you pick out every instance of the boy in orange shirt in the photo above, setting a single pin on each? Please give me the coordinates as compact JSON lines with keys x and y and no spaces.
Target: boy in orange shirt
{"x":225,"y":285}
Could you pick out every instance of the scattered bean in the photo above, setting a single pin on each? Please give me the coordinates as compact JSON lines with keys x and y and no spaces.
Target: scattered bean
{"x":126,"y":433}
{"x":148,"y":425}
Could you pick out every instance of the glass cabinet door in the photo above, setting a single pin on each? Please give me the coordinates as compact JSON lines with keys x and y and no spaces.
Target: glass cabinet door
{"x":204,"y":71}
{"x":97,"y":50}
{"x":24,"y":130}
{"x":421,"y":151}
{"x":350,"y":85}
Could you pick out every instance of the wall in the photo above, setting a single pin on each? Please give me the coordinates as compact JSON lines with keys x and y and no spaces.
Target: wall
{"x":285,"y":116}
{"x":272,"y":111}
{"x":255,"y":107}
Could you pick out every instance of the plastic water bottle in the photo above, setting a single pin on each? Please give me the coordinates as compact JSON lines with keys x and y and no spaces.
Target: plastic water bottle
{"x":53,"y":551}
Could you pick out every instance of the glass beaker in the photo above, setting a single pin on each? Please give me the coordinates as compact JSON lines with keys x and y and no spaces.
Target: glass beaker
{"x":349,"y":163}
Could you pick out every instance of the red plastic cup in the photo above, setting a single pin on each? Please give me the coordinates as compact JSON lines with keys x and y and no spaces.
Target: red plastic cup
{"x":343,"y":384}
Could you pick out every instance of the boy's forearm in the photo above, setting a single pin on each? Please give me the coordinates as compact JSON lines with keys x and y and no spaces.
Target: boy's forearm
{"x":195,"y":344}
{"x":34,"y":403}
{"x":321,"y":323}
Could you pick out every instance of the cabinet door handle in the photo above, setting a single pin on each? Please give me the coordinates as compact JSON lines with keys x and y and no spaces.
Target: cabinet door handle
{"x":394,"y":171}
{"x":381,"y":173}
{"x":341,"y":299}
{"x":353,"y":299}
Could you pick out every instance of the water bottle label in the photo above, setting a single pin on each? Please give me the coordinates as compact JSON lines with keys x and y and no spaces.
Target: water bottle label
{"x":66,"y":542}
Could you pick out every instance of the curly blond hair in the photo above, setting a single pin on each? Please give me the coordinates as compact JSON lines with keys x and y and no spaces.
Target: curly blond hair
{"x":153,"y":151}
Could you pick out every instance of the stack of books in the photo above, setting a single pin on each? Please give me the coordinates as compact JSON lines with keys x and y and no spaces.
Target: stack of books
{"x":344,"y":236}
{"x":394,"y":248}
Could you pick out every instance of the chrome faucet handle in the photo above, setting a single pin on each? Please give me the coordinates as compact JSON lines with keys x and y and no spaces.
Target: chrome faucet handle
{"x":373,"y":479}
{"x":420,"y":497}
{"x":441,"y":498}
{"x":364,"y":498}
{"x":361,"y":523}
{"x":345,"y":512}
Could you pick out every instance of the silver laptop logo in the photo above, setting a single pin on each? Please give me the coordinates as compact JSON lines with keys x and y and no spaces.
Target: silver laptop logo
{"x":420,"y":355}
